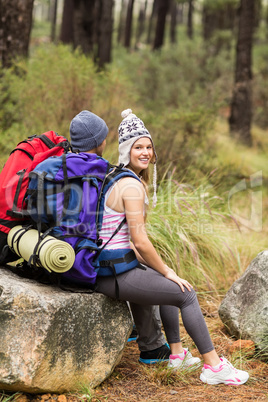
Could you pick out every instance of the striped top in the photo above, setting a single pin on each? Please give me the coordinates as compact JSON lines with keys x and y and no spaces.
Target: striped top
{"x":111,"y":220}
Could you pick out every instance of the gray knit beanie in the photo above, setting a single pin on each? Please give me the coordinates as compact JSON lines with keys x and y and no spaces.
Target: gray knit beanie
{"x":87,"y":131}
{"x":130,"y":130}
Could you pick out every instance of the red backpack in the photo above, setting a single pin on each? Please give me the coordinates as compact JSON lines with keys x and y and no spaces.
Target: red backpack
{"x":14,"y":177}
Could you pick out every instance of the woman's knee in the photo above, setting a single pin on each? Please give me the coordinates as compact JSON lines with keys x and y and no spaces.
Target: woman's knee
{"x":189,"y":297}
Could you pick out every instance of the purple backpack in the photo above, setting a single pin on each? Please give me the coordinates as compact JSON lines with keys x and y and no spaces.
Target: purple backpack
{"x":66,"y":199}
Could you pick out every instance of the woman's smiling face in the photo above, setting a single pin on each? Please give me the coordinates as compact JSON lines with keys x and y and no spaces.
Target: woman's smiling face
{"x":141,"y":154}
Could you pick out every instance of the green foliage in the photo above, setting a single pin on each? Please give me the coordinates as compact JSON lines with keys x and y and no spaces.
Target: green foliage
{"x":221,"y":40}
{"x":84,"y":392}
{"x":8,"y":397}
{"x":46,"y":92}
{"x":177,"y":92}
{"x":40,"y":30}
{"x":193,"y":233}
{"x":220,"y":4}
{"x":162,"y":375}
{"x":181,"y":90}
{"x":180,"y":76}
{"x":260,"y":85}
{"x":263,"y":345}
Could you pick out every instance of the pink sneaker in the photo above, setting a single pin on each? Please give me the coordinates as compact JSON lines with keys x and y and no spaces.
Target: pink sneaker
{"x":175,"y":361}
{"x":225,"y":374}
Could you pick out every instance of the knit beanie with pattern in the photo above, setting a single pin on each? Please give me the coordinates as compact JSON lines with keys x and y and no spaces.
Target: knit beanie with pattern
{"x":87,"y":131}
{"x":130,"y":130}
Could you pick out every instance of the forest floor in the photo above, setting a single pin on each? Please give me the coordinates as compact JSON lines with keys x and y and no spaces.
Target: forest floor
{"x":132,"y":381}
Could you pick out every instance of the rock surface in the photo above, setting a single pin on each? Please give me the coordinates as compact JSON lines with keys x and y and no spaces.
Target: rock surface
{"x":57,"y":341}
{"x":244,"y":309}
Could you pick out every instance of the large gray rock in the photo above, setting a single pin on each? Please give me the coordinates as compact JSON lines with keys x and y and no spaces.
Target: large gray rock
{"x":244,"y":309}
{"x":57,"y":341}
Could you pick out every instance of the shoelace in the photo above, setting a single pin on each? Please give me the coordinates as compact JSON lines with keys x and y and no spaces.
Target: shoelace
{"x":225,"y":361}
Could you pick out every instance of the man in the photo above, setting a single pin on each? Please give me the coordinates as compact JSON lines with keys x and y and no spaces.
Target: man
{"x":88,"y":134}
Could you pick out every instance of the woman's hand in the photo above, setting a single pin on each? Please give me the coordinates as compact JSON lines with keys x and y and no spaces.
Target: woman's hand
{"x":175,"y":278}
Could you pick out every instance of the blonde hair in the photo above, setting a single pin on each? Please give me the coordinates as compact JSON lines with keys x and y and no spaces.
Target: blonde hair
{"x":144,"y":177}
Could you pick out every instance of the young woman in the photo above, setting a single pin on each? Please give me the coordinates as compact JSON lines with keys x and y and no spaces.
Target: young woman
{"x":156,"y":284}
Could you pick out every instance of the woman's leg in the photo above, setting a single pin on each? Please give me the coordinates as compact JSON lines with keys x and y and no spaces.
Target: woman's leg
{"x":170,"y":320}
{"x":150,"y":287}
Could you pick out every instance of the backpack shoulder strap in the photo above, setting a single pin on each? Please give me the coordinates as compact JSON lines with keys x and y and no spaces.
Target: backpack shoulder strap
{"x":47,"y":141}
{"x":115,"y":173}
{"x":50,"y":144}
{"x":114,"y":233}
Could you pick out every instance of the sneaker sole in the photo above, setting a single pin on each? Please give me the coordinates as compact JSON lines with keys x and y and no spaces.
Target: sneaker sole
{"x":152,"y":361}
{"x":215,"y":382}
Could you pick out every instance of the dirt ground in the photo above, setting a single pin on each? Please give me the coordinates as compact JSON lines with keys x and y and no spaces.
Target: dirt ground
{"x":132,"y":381}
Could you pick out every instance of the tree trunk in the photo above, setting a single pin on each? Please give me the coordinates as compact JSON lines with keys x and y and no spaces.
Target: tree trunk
{"x":173,"y":21}
{"x":54,"y":20}
{"x":218,"y":16}
{"x":152,"y":21}
{"x":258,"y":13}
{"x":266,"y":20}
{"x":241,"y":106}
{"x":121,"y":24}
{"x":84,"y":27}
{"x":208,"y":22}
{"x":128,"y":29}
{"x":162,"y":11}
{"x":141,"y":22}
{"x":104,"y":32}
{"x":229,"y":20}
{"x":67,"y":24}
{"x":46,"y":10}
{"x":180,"y":13}
{"x":15,"y":29}
{"x":190,"y":19}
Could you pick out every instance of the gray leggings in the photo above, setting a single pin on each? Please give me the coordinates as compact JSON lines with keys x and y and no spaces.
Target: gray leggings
{"x":149,"y":287}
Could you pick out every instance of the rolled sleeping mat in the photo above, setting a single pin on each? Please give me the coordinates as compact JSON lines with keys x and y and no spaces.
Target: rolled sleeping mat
{"x":54,"y":254}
